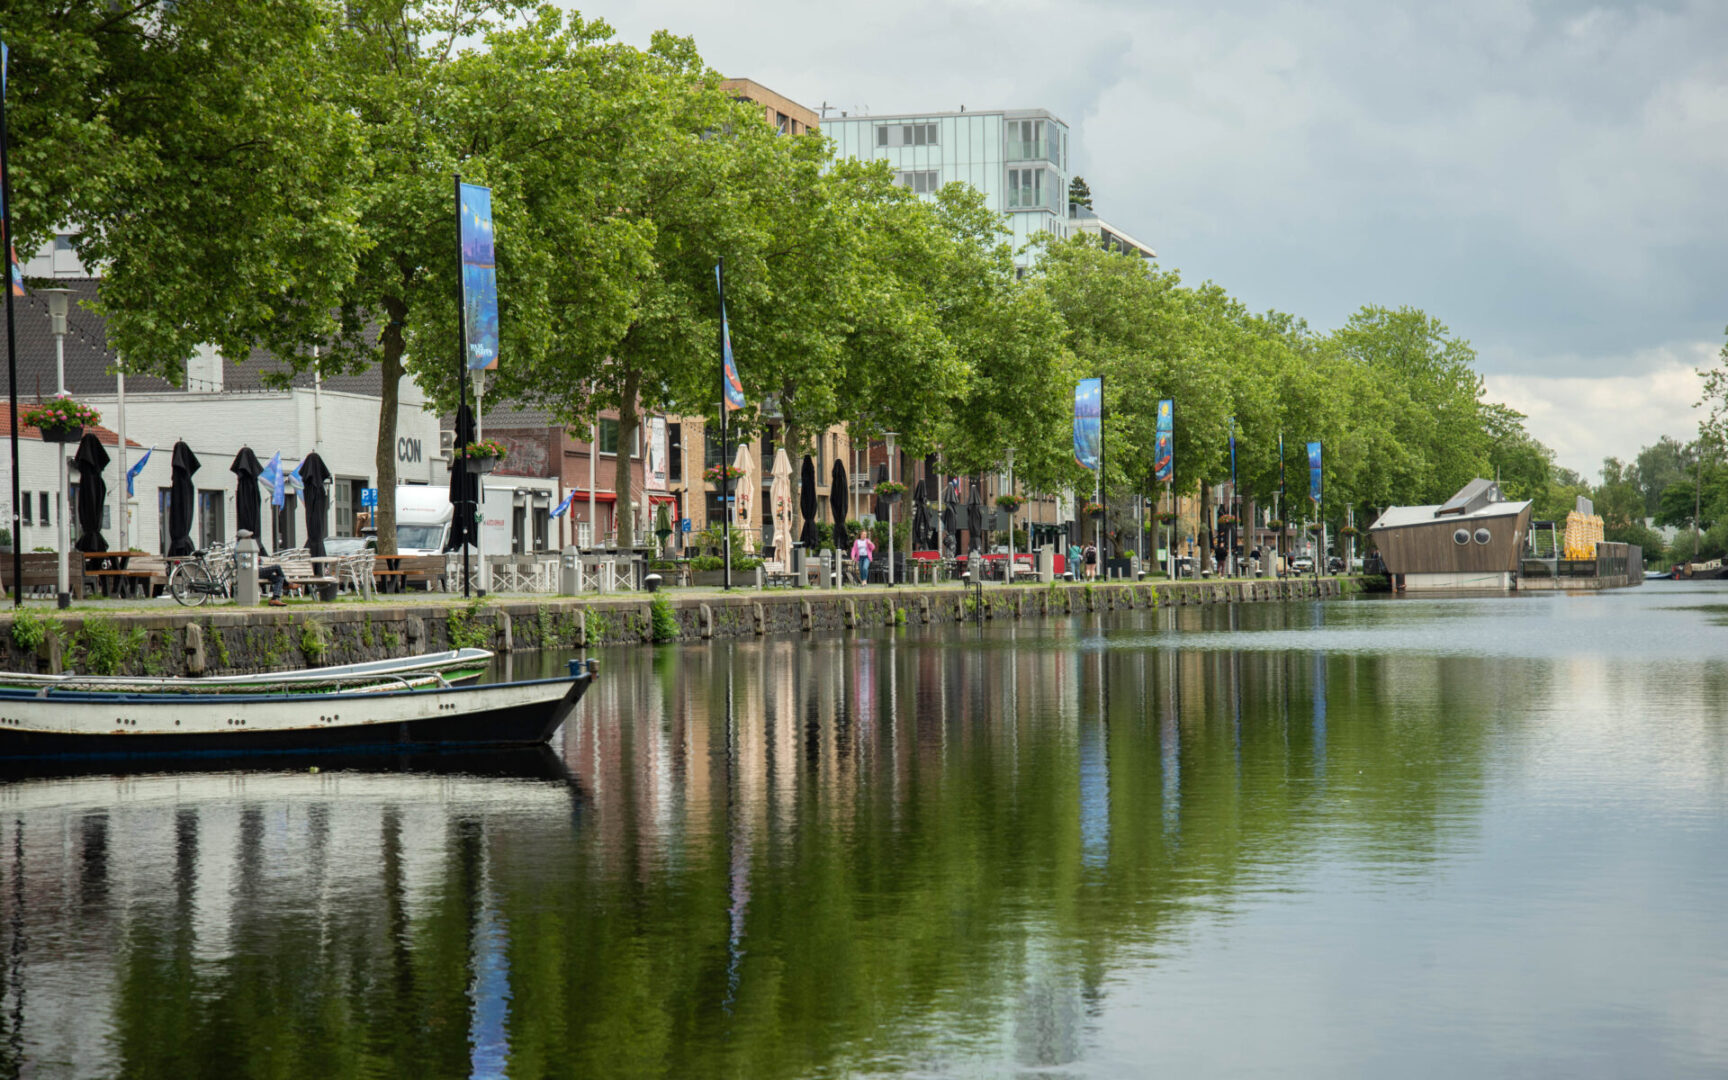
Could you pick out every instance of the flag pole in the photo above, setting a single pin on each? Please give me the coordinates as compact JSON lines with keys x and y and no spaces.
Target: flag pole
{"x":11,"y":338}
{"x":725,"y":463}
{"x":461,"y":377}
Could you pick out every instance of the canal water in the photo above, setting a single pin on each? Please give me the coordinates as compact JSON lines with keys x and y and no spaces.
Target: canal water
{"x":1372,"y":837}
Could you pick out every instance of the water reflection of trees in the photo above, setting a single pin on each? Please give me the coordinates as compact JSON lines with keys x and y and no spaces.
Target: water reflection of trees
{"x":785,"y":857}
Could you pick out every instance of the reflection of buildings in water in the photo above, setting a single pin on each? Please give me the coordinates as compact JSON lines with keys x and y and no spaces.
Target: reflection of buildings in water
{"x":105,"y":881}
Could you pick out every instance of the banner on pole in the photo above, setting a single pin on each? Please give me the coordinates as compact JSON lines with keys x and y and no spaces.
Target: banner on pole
{"x":1088,"y":417}
{"x":1232,"y":456}
{"x":655,"y":473}
{"x":1164,"y":447}
{"x":1314,"y":471}
{"x":734,"y":387}
{"x":14,"y":272}
{"x":479,"y":278}
{"x":1280,"y":463}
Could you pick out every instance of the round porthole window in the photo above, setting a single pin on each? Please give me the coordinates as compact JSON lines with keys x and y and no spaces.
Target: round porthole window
{"x":1462,"y":536}
{"x":1483,"y":536}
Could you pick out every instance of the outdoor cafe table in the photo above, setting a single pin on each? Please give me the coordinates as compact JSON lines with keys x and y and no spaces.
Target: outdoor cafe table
{"x":118,"y":577}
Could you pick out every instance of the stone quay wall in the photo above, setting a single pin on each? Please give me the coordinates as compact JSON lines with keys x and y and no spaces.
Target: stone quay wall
{"x":234,"y":641}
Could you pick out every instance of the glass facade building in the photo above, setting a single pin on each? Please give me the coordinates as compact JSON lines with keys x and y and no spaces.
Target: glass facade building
{"x":1018,"y":158}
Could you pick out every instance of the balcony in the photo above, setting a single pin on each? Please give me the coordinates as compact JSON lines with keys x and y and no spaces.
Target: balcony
{"x":1020,"y":150}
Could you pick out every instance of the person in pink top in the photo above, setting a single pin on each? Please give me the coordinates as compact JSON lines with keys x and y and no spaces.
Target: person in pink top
{"x":863,"y":550}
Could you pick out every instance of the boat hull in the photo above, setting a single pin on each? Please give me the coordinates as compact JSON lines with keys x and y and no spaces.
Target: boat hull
{"x":61,"y":725}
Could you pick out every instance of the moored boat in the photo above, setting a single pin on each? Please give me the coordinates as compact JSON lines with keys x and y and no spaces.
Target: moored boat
{"x":448,"y":668}
{"x":53,"y":722}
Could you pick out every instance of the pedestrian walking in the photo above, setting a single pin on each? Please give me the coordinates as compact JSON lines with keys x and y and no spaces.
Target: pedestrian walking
{"x":1091,"y":558}
{"x":1074,"y":570}
{"x":863,"y":550}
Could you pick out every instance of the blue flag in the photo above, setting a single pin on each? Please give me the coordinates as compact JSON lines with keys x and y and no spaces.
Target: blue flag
{"x":272,"y":475}
{"x":132,"y":473}
{"x":1232,"y":455}
{"x":565,"y":505}
{"x":1314,"y":481}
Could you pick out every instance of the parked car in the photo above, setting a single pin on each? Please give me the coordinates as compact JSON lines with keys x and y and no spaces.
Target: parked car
{"x":1302,"y":564}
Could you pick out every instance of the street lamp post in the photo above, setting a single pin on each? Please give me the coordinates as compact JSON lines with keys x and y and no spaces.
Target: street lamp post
{"x":58,"y":302}
{"x":889,"y":437}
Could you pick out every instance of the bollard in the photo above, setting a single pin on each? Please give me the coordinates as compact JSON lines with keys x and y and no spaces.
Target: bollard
{"x":246,"y":570}
{"x":651,"y":582}
{"x":1046,"y":564}
{"x":570,"y":571}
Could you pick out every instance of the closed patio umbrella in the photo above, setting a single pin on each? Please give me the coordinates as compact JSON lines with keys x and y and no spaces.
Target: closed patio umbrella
{"x":837,"y":507}
{"x":464,"y":490}
{"x":780,"y":496}
{"x":975,"y":519}
{"x":180,"y":501}
{"x":313,"y":474}
{"x":920,"y":537}
{"x":91,"y":459}
{"x":248,"y":515}
{"x":880,"y":510}
{"x":744,"y":502}
{"x":808,"y":501}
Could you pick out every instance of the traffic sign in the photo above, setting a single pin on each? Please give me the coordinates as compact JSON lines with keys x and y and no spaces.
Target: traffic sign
{"x":369,"y":497}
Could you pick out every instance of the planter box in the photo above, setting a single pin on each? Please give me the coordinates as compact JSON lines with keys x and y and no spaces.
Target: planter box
{"x":62,"y":433}
{"x":712,"y":578}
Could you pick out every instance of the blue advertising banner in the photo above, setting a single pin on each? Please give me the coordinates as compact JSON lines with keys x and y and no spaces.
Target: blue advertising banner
{"x":1088,"y":415}
{"x":734,"y":387}
{"x":1164,"y":447}
{"x":1232,"y":455}
{"x":479,"y":278}
{"x":1314,"y":471}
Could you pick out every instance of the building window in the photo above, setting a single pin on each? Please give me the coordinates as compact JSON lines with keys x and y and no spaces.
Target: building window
{"x":1030,"y":189}
{"x":44,"y":517}
{"x":24,"y":504}
{"x":782,"y":123}
{"x":906,"y":135}
{"x":1026,"y":140}
{"x":212,"y":529}
{"x":711,"y":446}
{"x":674,"y":453}
{"x":609,"y":438}
{"x":921,"y":181}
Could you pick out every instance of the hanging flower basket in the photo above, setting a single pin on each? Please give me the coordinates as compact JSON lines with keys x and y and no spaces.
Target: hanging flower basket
{"x":1228,"y":519}
{"x":479,"y":458}
{"x":1348,"y":530}
{"x":889,"y":491}
{"x":1275,"y":525}
{"x":1315,"y":526}
{"x":1166,"y":517}
{"x":60,"y":419}
{"x":1094,"y":510}
{"x":1008,"y":503}
{"x":716,"y":474}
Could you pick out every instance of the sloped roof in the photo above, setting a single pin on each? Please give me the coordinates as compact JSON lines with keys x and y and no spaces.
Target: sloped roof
{"x":90,"y":361}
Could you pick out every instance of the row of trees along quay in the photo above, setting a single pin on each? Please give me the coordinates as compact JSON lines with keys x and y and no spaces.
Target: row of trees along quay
{"x":276,"y":176}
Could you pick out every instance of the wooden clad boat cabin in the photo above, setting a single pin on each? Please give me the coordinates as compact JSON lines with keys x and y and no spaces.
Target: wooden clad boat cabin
{"x":1471,"y":541}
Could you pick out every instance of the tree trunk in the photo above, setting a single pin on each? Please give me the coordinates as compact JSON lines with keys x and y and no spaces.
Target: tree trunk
{"x":624,"y":523}
{"x":390,"y":372}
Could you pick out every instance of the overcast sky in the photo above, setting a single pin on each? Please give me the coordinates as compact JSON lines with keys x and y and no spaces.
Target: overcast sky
{"x":1547,"y":177}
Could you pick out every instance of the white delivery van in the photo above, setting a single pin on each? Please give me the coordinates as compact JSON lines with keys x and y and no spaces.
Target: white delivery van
{"x":422,"y":519}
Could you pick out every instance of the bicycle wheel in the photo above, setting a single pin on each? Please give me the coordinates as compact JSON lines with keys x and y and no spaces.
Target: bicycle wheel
{"x":189,"y":583}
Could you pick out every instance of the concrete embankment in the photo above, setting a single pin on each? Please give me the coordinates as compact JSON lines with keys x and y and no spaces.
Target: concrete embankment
{"x":230,"y":640}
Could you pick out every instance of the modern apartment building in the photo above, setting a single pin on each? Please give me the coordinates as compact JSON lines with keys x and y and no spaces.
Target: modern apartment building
{"x":1018,"y":158}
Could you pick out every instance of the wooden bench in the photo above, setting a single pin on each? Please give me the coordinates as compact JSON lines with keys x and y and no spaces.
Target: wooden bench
{"x":394,"y":573}
{"x":298,"y":571}
{"x":42,"y":571}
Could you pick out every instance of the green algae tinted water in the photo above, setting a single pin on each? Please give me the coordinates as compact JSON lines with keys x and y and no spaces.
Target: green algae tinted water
{"x":1458,"y":837}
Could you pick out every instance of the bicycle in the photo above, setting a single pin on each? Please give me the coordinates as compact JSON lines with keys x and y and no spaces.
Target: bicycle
{"x":195,"y":580}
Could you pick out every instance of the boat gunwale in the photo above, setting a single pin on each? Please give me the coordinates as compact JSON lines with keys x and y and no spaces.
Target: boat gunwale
{"x":46,"y":694}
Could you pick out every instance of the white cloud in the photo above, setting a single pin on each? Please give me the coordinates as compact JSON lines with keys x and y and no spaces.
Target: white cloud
{"x":1585,"y":419}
